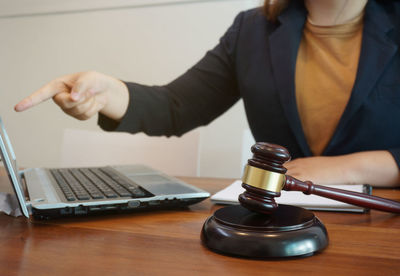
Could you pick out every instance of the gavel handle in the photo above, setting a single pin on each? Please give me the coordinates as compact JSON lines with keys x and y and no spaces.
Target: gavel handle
{"x":354,"y":198}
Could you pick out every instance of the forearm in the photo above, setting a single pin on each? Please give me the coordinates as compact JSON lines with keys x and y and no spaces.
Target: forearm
{"x":377,"y":168}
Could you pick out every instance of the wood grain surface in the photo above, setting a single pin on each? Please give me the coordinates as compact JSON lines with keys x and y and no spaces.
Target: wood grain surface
{"x":168,"y":243}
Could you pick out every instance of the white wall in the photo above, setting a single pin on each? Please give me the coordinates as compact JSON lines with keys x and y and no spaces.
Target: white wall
{"x":131,"y":40}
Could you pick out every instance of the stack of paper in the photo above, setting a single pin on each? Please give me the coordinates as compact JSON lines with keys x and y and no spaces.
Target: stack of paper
{"x":230,"y":194}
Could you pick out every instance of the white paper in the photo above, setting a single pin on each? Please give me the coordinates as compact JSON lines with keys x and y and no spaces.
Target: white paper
{"x":230,"y":194}
{"x":9,"y":204}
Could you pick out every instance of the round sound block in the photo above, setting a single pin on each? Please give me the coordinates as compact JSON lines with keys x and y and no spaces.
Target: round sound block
{"x":288,"y":232}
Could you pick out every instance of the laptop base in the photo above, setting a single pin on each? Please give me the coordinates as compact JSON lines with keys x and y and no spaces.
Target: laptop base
{"x":47,"y":214}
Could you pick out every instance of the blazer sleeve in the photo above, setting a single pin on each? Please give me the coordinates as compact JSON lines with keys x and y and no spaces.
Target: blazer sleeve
{"x":396,"y":155}
{"x":194,"y":99}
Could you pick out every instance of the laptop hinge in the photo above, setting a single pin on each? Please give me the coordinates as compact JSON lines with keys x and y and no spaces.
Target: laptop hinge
{"x":21,"y":175}
{"x":29,"y":207}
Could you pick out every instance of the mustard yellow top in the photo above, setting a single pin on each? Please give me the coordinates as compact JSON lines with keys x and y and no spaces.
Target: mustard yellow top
{"x":326,"y":69}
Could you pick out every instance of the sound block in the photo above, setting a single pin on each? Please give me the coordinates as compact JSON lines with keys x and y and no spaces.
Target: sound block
{"x":288,"y":232}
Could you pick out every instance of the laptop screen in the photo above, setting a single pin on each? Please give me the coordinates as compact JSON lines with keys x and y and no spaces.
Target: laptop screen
{"x":10,"y":163}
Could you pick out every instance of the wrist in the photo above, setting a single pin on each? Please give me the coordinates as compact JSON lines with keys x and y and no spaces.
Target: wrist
{"x":116,"y":99}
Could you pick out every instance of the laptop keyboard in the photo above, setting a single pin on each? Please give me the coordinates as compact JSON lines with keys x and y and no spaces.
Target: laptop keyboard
{"x":95,"y":183}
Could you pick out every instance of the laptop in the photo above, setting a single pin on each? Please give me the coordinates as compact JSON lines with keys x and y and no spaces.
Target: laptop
{"x":56,"y":192}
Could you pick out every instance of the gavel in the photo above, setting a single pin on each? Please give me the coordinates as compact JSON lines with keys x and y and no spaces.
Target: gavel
{"x":264,"y":178}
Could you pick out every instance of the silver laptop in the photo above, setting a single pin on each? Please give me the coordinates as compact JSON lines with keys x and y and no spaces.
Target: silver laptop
{"x":47,"y":193}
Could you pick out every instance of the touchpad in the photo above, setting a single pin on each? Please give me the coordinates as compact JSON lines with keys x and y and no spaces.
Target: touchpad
{"x":167,"y":189}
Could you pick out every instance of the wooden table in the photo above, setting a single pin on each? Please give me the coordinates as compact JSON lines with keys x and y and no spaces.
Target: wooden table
{"x":168,"y":243}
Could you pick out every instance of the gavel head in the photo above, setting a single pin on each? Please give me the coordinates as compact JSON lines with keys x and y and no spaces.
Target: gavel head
{"x":264,"y":177}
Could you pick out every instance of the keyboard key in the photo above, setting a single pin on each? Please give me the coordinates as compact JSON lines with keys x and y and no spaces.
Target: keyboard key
{"x":83,"y":196}
{"x":96,"y":196}
{"x":137,"y":191}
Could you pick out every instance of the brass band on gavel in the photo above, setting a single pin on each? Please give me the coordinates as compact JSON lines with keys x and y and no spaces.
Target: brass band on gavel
{"x":262,"y":179}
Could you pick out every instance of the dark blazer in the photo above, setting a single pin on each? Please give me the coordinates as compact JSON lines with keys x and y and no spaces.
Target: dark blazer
{"x":255,"y":60}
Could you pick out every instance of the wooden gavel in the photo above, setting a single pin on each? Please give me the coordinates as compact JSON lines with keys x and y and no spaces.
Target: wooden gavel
{"x":264,"y":178}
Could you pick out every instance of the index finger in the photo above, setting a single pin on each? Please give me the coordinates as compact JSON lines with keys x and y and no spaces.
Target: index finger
{"x":44,"y":93}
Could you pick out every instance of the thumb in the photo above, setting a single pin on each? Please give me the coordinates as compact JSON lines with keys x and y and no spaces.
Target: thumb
{"x":78,"y":90}
{"x":85,"y":85}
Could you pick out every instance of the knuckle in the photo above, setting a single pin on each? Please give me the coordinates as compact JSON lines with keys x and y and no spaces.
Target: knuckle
{"x":72,"y":112}
{"x":80,"y":109}
{"x":84,"y":106}
{"x":89,"y":74}
{"x":84,"y":116}
{"x":69,"y":112}
{"x":92,"y":72}
{"x":59,"y":99}
{"x":55,"y":81}
{"x":57,"y":84}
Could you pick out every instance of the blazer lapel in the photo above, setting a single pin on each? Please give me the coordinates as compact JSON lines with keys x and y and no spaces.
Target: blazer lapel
{"x":284,"y":43}
{"x":376,"y":52}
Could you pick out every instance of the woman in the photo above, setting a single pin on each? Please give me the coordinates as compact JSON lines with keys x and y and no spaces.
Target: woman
{"x":320,"y":78}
